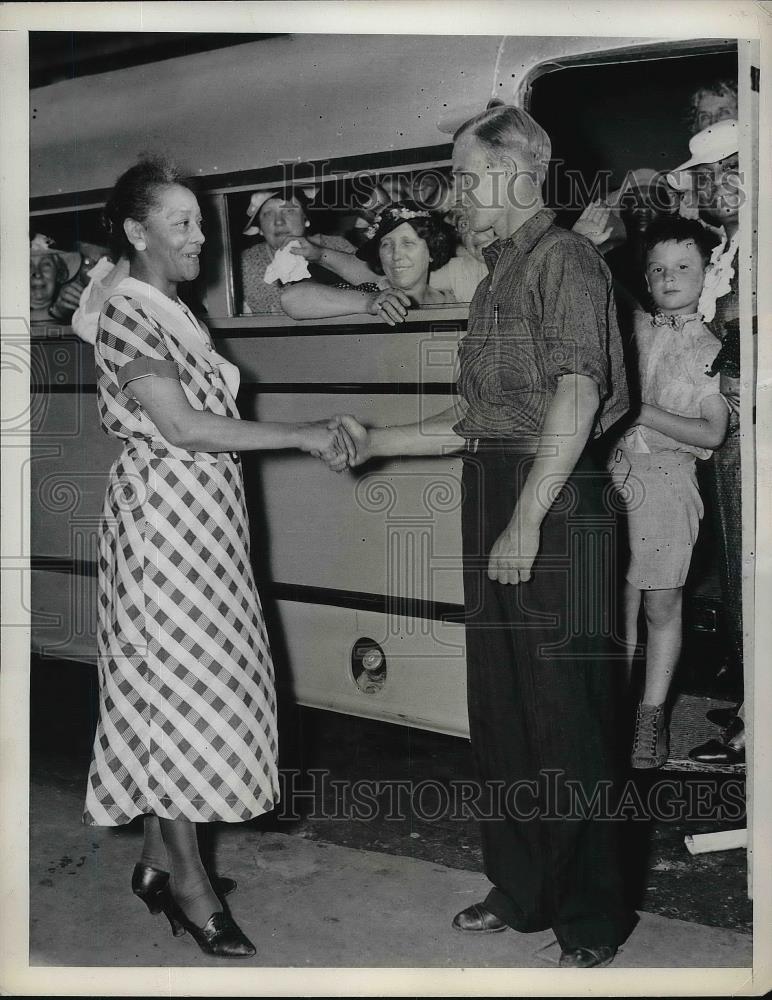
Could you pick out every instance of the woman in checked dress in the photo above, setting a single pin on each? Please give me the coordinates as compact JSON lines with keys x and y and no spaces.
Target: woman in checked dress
{"x":187,"y":727}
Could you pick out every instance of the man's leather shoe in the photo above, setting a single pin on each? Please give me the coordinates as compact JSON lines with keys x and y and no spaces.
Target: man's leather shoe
{"x":729,"y":749}
{"x":588,"y":958}
{"x":478,"y":919}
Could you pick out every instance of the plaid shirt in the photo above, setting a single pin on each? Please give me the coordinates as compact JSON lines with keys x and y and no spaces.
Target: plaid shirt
{"x":545,"y":310}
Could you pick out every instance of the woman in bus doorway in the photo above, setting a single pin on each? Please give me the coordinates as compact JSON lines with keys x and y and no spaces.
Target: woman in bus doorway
{"x":187,"y":725}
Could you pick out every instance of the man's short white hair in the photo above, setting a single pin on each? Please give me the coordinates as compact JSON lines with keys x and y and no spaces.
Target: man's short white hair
{"x":504,"y":129}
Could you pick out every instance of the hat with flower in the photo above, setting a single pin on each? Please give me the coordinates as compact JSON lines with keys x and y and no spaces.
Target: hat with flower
{"x":390,"y":217}
{"x":67,"y":262}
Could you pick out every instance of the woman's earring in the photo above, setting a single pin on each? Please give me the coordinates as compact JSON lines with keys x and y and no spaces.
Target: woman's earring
{"x":307,"y":223}
{"x":141,"y":245}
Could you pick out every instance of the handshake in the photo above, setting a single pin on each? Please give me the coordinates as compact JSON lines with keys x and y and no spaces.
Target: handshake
{"x":340,"y":441}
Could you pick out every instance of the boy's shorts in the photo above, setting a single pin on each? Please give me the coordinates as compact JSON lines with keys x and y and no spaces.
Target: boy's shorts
{"x":659,"y":496}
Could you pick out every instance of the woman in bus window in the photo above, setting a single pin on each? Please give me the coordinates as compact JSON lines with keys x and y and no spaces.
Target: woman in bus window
{"x":716,"y":101}
{"x":281,"y":218}
{"x":405,"y":244}
{"x":464,"y":272}
{"x":187,"y":726}
{"x":52,"y":297}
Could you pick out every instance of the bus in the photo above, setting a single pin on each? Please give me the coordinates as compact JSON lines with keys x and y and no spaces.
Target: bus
{"x":360,"y":573}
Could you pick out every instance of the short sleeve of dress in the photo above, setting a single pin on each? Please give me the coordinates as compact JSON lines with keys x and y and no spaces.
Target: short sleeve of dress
{"x":130,"y":345}
{"x":366,"y":286}
{"x":575,"y":289}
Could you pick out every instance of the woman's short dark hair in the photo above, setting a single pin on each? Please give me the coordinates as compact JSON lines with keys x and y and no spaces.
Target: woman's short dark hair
{"x":135,"y":196}
{"x":439,"y":237}
{"x":676,"y":229}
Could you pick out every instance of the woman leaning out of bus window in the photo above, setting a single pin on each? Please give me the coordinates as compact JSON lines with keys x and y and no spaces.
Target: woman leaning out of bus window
{"x":53,"y":291}
{"x":187,"y":726}
{"x":405,"y":243}
{"x":282,"y":221}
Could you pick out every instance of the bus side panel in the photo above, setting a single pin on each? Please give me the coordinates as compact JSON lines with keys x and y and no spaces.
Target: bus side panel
{"x":428,"y":356}
{"x":391,"y":527}
{"x":69,"y":465}
{"x":63,"y":619}
{"x":425,"y":678}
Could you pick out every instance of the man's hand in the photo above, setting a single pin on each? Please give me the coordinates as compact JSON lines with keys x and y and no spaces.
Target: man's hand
{"x":322,"y":441}
{"x":513,"y":552}
{"x":352,"y":437}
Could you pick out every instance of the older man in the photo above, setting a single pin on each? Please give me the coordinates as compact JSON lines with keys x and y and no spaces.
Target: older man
{"x":541,"y":375}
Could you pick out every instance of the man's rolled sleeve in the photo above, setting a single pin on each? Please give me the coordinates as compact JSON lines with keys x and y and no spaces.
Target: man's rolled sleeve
{"x":575,"y":290}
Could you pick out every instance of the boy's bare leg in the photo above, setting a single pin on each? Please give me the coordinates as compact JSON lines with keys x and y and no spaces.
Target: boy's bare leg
{"x":631,"y":607}
{"x":663,"y":610}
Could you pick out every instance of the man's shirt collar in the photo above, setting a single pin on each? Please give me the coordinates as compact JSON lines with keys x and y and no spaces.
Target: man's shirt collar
{"x":523,"y":240}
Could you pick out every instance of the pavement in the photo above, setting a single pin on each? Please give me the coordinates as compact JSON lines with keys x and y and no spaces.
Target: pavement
{"x":305,"y":904}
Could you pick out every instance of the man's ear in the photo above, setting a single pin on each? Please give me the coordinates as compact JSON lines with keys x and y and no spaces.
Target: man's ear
{"x":508,"y":164}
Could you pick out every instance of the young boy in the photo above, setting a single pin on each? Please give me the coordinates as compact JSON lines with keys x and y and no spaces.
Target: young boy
{"x":682,"y":417}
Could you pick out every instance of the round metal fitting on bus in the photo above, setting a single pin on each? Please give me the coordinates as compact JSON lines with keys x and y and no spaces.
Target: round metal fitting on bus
{"x":368,"y":665}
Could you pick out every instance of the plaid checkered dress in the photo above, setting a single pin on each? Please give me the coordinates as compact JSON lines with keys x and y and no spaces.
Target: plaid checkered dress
{"x":187,"y":724}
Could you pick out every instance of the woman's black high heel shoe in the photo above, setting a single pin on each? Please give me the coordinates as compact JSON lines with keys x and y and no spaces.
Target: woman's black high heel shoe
{"x":148,"y":884}
{"x":220,"y":936}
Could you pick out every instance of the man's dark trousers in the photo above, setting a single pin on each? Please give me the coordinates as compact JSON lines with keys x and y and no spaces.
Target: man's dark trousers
{"x":542,"y":677}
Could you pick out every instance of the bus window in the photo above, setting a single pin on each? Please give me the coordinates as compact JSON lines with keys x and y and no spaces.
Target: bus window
{"x":63,"y":249}
{"x":335,"y":212}
{"x":81,"y":232}
{"x":644,"y":120}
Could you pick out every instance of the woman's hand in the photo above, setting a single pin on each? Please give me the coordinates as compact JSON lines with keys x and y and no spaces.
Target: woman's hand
{"x":321,"y":439}
{"x":593,"y":223}
{"x":390,"y":304}
{"x":68,"y":299}
{"x":352,"y":437}
{"x":303,"y":248}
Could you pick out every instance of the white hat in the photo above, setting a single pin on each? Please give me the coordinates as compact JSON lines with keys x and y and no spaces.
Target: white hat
{"x":714,"y":143}
{"x":259,"y":198}
{"x":43,"y":246}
